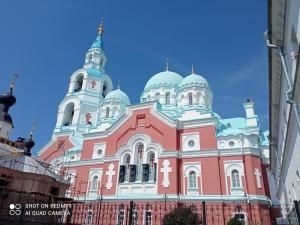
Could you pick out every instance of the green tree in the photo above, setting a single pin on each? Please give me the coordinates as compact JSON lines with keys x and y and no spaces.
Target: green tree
{"x":181,"y":216}
{"x":235,"y":221}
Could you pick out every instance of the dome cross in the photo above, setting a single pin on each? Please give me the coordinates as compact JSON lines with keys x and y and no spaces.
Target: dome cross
{"x":13,"y":82}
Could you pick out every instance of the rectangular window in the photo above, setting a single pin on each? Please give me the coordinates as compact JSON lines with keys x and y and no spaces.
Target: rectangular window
{"x":240,"y":216}
{"x":121,"y":217}
{"x":134,"y":217}
{"x":148,"y":217}
{"x":89,"y":217}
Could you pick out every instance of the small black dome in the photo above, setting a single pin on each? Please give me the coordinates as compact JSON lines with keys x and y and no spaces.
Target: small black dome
{"x":29,"y":143}
{"x":7,"y":99}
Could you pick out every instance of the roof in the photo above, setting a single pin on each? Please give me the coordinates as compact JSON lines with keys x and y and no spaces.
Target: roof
{"x":192,"y":80}
{"x":28,"y":164}
{"x":95,"y":72}
{"x":118,"y":95}
{"x":232,"y":126}
{"x":98,"y":42}
{"x":165,"y":78}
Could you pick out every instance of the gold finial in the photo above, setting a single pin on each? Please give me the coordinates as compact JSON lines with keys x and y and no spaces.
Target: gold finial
{"x":101,"y":27}
{"x":13,"y":81}
{"x":167,"y":64}
{"x":33,"y":127}
{"x":119,"y":84}
{"x":193,"y":69}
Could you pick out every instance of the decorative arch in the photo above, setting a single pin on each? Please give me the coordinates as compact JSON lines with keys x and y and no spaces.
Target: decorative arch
{"x":94,"y":183}
{"x":78,"y":82}
{"x":234,"y":170}
{"x":68,"y":116}
{"x":193,"y":178}
{"x":141,"y":168}
{"x":168,"y":98}
{"x":107,"y":85}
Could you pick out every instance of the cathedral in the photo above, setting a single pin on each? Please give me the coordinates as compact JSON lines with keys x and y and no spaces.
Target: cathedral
{"x":170,"y":147}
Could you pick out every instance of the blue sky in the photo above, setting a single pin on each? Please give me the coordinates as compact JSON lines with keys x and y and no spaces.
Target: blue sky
{"x":45,"y":41}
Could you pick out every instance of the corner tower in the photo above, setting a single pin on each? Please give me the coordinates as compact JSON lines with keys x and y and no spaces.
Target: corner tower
{"x":87,"y":89}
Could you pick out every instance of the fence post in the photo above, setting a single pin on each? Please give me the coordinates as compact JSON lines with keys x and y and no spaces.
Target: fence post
{"x":296,"y":203}
{"x":203,"y":213}
{"x":130,"y":212}
{"x":69,"y":216}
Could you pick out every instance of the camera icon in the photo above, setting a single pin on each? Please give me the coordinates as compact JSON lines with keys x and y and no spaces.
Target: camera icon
{"x":15,"y":209}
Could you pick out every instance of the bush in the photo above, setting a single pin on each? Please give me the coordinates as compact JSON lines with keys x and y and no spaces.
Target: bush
{"x":181,"y":216}
{"x":235,"y":221}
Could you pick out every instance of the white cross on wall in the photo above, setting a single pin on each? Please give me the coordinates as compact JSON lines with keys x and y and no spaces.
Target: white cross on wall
{"x":166,"y":170}
{"x":110,"y":173}
{"x":258,"y":175}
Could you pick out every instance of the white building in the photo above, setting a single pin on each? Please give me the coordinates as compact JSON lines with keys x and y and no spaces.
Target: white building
{"x":284,"y":77}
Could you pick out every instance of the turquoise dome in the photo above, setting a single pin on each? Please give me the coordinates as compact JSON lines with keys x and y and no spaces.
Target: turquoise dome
{"x":166,"y":78}
{"x":118,"y":95}
{"x":193,"y":80}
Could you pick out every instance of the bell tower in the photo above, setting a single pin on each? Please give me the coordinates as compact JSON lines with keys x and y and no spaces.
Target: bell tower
{"x":87,"y":89}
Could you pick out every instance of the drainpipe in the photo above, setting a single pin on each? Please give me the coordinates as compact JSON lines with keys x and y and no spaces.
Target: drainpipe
{"x":288,"y":92}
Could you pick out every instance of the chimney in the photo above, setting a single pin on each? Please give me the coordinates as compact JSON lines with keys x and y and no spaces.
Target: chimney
{"x":251,"y":117}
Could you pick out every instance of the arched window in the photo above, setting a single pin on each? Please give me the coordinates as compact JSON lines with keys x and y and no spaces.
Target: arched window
{"x":168,"y":95}
{"x":68,"y":115}
{"x":192,"y":180}
{"x":235,"y":179}
{"x":94,"y":184}
{"x":127,"y":167}
{"x":190,"y":96}
{"x":78,"y":83}
{"x":152,"y":165}
{"x":107,"y":112}
{"x":140,"y":153}
{"x":104,"y":90}
{"x":157,"y":96}
{"x":90,"y":58}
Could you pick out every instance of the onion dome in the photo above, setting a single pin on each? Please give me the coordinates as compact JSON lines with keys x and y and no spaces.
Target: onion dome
{"x":7,"y":99}
{"x":193,"y":80}
{"x":29,"y":143}
{"x":119,"y":96}
{"x":164,"y":79}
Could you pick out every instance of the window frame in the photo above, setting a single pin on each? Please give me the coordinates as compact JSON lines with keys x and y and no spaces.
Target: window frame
{"x":190,"y":99}
{"x":235,"y":179}
{"x":192,"y":180}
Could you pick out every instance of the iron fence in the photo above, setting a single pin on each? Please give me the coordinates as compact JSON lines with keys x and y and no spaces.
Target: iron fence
{"x":40,"y":209}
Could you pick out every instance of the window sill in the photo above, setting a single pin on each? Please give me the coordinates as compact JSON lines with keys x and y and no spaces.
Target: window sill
{"x":237,"y":191}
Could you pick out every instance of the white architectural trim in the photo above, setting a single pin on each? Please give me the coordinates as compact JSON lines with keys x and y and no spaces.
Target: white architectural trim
{"x":166,"y":169}
{"x":229,"y":166}
{"x":187,"y":168}
{"x":110,"y":173}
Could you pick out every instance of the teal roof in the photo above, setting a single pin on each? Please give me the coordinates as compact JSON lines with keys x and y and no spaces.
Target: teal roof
{"x":118,"y":95}
{"x":93,"y":71}
{"x":98,"y":43}
{"x":232,"y":126}
{"x":192,"y":80}
{"x":166,"y":78}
